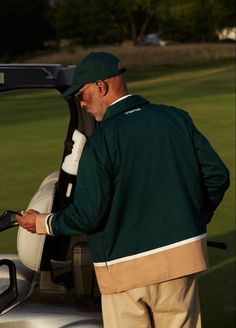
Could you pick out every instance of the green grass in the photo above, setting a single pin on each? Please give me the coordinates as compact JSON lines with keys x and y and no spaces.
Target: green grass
{"x":32,"y":130}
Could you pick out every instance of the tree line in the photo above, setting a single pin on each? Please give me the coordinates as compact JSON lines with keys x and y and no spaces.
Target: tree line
{"x":27,"y":26}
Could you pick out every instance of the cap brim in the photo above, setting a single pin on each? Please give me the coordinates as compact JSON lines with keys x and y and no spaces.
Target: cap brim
{"x":71,"y":90}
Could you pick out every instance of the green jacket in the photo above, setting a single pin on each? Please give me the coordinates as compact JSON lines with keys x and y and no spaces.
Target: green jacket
{"x":147,"y":182}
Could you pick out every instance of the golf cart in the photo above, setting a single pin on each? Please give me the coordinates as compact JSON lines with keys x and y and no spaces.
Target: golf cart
{"x":50,"y":282}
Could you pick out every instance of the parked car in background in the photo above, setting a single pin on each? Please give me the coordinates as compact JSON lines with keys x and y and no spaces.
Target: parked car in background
{"x":152,"y":39}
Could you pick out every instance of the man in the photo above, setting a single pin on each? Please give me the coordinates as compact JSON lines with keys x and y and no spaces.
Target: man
{"x":148,"y":183}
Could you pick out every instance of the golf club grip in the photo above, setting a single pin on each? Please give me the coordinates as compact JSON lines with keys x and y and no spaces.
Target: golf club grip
{"x":217,"y":244}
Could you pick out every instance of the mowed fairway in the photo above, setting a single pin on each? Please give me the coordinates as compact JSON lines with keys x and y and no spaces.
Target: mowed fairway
{"x":33,"y":126}
{"x":32,"y":130}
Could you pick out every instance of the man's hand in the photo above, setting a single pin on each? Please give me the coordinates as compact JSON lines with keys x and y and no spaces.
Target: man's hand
{"x":27,"y":220}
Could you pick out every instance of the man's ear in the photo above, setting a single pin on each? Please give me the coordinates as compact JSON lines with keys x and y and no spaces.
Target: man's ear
{"x":102,"y":87}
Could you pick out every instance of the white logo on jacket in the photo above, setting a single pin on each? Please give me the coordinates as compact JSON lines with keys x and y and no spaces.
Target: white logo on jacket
{"x":132,"y":111}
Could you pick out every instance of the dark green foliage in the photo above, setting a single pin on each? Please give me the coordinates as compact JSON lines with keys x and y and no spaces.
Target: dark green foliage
{"x":225,"y":13}
{"x":188,"y":21}
{"x":24,"y":26}
{"x":85,"y":22}
{"x":106,"y":21}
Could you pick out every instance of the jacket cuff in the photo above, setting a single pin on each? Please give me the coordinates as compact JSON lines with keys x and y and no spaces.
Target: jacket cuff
{"x":42,"y":224}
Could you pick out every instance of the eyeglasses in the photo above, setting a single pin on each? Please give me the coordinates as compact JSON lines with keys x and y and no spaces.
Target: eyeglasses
{"x":79,"y":94}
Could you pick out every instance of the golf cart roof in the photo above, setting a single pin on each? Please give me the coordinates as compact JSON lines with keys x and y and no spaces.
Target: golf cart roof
{"x":28,"y":76}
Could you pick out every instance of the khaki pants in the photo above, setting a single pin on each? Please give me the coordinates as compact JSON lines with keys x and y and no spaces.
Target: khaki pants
{"x":170,"y":304}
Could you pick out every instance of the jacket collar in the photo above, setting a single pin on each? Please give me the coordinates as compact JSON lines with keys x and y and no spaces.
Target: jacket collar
{"x":125,"y":105}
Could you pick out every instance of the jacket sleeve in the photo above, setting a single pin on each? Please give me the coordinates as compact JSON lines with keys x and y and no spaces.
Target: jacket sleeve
{"x":214,"y":173}
{"x":92,"y":195}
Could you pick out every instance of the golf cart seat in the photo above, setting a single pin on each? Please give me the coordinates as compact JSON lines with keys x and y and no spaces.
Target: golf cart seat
{"x":29,"y":246}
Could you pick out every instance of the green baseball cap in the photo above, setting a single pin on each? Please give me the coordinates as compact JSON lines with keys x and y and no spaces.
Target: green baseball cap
{"x":95,"y":66}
